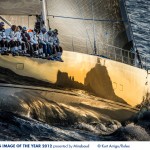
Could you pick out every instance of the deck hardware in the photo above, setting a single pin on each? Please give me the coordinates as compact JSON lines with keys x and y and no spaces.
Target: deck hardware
{"x":20,"y":66}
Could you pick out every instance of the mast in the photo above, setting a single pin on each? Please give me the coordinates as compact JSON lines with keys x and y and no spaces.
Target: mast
{"x":44,"y":13}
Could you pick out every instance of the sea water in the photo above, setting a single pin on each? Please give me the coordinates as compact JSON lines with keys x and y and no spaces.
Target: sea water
{"x":139,"y":17}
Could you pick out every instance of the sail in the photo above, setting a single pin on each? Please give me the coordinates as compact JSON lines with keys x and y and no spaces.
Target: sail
{"x":74,"y":20}
{"x":81,"y":23}
{"x":20,"y":7}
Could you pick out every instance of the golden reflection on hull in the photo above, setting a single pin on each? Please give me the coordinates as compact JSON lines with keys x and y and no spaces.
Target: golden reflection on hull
{"x":106,"y":78}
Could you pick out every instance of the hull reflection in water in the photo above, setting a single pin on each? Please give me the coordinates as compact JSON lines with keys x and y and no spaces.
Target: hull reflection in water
{"x":47,"y":114}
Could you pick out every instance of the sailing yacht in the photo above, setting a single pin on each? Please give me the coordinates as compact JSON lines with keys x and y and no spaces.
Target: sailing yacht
{"x":100,"y":54}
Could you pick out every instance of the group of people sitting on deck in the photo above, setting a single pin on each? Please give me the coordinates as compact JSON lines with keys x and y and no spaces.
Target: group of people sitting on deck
{"x":19,"y":40}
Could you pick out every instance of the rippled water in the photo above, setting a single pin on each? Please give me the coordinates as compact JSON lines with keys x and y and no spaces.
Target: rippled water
{"x":139,"y":15}
{"x":60,"y":115}
{"x":14,"y":127}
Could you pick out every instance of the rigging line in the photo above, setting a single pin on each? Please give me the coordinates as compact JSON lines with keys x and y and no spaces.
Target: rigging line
{"x":84,"y":23}
{"x":88,"y":19}
{"x":6,"y":21}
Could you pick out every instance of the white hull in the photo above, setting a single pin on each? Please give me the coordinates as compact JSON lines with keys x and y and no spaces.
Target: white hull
{"x":106,"y":78}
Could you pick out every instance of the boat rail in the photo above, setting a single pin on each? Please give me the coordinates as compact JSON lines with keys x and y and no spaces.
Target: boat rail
{"x":82,"y":45}
{"x":124,"y":56}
